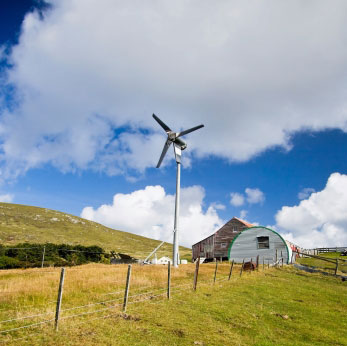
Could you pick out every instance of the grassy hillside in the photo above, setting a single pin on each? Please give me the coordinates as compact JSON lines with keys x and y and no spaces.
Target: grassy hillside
{"x":20,"y":223}
{"x":280,"y":306}
{"x":326,"y":266}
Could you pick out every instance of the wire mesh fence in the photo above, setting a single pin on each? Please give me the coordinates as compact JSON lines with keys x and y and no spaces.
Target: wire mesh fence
{"x":96,"y":292}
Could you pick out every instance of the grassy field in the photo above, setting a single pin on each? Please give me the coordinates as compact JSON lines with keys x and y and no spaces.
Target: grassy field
{"x":272,"y":307}
{"x":19,"y":223}
{"x":326,"y":266}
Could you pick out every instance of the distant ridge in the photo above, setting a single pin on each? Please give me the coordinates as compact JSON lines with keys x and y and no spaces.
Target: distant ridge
{"x":22,"y":223}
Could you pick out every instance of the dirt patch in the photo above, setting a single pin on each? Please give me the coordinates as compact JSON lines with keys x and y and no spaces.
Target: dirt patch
{"x":129,"y":317}
{"x":179,"y":332}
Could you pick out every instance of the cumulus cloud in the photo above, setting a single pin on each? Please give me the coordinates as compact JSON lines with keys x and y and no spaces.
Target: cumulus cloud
{"x":320,"y":220}
{"x":306,"y":192}
{"x":150,"y":213}
{"x":237,"y":199}
{"x":8,"y":198}
{"x":85,"y":78}
{"x":254,"y":196}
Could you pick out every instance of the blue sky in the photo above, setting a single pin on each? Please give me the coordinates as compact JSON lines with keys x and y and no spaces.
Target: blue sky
{"x":79,"y":86}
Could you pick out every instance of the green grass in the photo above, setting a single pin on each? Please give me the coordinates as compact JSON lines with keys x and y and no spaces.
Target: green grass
{"x":324,"y":265}
{"x":280,"y":306}
{"x":19,"y":223}
{"x":332,"y":255}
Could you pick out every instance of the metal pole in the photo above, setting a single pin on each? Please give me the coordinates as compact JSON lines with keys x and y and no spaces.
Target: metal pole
{"x":177,"y":211}
{"x":60,"y":295}
{"x":168,"y":279}
{"x":126,"y":293}
{"x":43,"y":256}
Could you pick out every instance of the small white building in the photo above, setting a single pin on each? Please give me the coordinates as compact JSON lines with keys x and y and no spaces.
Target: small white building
{"x":162,"y":260}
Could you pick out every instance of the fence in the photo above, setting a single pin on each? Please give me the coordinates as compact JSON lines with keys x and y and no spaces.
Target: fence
{"x":329,"y":249}
{"x":18,"y":323}
{"x":332,"y":265}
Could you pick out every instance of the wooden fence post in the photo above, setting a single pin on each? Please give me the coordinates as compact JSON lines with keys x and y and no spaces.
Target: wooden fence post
{"x":282,"y":262}
{"x":257,"y":264}
{"x":60,"y":296}
{"x":126,"y":293}
{"x":337,"y":266}
{"x":196,"y":273}
{"x":263,"y":262}
{"x":268,"y":263}
{"x":215,"y":273}
{"x":43,"y":256}
{"x":231,"y":269}
{"x":168,"y":279}
{"x":243,"y":262}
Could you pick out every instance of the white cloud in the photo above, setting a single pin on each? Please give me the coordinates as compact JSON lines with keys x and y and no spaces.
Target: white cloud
{"x":218,"y":206}
{"x":150,"y":213}
{"x":254,"y":196}
{"x":8,"y":198}
{"x":243,"y":214}
{"x":305,"y":193}
{"x":252,"y":73}
{"x":320,"y":220}
{"x":237,"y":199}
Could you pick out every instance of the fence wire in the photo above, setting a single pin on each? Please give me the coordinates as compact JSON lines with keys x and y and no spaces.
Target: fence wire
{"x":147,"y":296}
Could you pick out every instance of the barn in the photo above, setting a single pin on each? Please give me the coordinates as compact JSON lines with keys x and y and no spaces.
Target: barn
{"x":259,"y":241}
{"x":217,"y":244}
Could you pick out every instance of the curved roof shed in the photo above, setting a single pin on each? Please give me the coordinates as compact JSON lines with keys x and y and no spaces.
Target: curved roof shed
{"x":259,"y":241}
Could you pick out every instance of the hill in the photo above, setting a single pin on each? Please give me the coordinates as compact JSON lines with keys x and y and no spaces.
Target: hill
{"x":21,"y":223}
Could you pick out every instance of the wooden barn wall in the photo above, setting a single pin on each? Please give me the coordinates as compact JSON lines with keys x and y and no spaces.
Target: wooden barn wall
{"x":204,"y":248}
{"x":246,"y":246}
{"x":217,"y":245}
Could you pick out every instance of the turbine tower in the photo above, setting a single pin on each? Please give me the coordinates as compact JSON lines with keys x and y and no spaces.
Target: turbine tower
{"x":179,"y":145}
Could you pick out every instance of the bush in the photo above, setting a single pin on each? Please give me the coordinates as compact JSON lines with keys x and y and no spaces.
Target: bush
{"x":9,"y":262}
{"x":30,"y":255}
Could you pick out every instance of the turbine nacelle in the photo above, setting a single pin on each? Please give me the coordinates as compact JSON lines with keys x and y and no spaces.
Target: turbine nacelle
{"x":180,"y":143}
{"x":173,"y":137}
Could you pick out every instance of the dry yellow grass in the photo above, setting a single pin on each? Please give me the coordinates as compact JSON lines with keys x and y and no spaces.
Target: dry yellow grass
{"x":34,"y":291}
{"x":271,"y":307}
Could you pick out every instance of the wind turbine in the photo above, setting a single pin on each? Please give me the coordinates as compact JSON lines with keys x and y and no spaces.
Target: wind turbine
{"x":179,"y":145}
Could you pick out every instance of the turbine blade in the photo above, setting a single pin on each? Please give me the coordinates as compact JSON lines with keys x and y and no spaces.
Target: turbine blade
{"x":166,"y":147}
{"x":162,"y":124}
{"x":189,"y":130}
